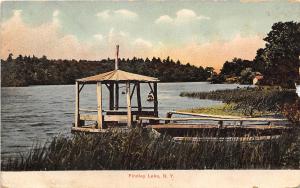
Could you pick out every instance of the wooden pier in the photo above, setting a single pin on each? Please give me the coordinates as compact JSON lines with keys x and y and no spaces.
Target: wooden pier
{"x":224,"y":126}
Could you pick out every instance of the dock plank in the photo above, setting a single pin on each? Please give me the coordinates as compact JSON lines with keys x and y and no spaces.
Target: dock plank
{"x":245,"y":118}
{"x":205,"y":126}
{"x":211,"y":119}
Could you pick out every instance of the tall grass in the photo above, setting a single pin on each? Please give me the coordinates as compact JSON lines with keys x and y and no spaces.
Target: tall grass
{"x":141,"y":149}
{"x":249,"y":100}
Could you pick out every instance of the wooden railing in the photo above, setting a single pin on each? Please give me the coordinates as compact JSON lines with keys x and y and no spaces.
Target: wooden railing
{"x":121,"y":107}
{"x":218,"y":119}
{"x":234,"y":118}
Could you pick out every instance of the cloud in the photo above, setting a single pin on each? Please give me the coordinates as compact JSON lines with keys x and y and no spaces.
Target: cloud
{"x":164,"y":19}
{"x":182,"y":16}
{"x":129,"y":46}
{"x":114,"y":37}
{"x":17,"y":13}
{"x":117,"y":14}
{"x":104,"y":14}
{"x":142,"y":43}
{"x":186,"y":15}
{"x":98,"y":37}
{"x":55,"y":13}
{"x":46,"y":39}
{"x":126,"y":13}
{"x":217,"y":52}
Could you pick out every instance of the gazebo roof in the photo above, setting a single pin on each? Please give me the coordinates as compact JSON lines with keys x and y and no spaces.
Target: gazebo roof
{"x":117,"y":76}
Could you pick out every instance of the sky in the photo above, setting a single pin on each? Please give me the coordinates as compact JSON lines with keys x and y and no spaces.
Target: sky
{"x":202,"y":33}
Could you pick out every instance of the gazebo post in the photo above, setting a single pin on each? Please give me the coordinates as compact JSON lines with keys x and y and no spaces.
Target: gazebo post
{"x":99,"y":105}
{"x":155,"y":99}
{"x":129,"y":117}
{"x":117,"y":84}
{"x":138,"y":95}
{"x":77,"y":104}
{"x":111,"y":96}
{"x":117,"y":96}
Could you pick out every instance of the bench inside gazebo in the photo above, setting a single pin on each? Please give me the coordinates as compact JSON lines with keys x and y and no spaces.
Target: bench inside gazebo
{"x":115,"y":115}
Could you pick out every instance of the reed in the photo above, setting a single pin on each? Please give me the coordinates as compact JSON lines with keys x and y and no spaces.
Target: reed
{"x":249,"y":100}
{"x":141,"y":149}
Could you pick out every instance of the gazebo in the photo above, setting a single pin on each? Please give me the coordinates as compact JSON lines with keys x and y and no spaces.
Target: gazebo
{"x":115,"y":114}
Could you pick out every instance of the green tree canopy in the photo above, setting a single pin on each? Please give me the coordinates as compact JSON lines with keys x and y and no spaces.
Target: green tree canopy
{"x":282,"y":54}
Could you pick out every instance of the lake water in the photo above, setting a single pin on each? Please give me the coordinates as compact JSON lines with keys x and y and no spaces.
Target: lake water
{"x":37,"y":113}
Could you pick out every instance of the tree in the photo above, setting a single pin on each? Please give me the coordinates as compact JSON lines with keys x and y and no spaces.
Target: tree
{"x":259,"y":62}
{"x":282,"y":54}
{"x":9,"y":58}
{"x":44,"y":58}
{"x":19,"y":58}
{"x":235,"y":67}
{"x":246,"y":76}
{"x":210,"y":71}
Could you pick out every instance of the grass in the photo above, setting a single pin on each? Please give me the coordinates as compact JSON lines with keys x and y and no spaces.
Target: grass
{"x":224,"y":109}
{"x":249,"y":101}
{"x":140,"y":149}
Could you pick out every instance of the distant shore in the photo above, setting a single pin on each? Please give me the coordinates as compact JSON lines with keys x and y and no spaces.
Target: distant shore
{"x":26,"y":71}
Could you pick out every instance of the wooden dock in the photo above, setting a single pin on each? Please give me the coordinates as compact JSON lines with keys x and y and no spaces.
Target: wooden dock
{"x":201,"y":127}
{"x":125,"y":117}
{"x":93,"y":129}
{"x":220,"y":121}
{"x":198,"y":130}
{"x":214,"y":125}
{"x":227,"y":139}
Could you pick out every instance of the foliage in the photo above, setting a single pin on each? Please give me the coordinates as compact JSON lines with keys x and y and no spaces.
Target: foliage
{"x":249,"y":100}
{"x":292,"y":112}
{"x":235,"y":67}
{"x":259,"y":62}
{"x":27,"y":70}
{"x":246,"y":76}
{"x":142,"y":150}
{"x":278,"y":61}
{"x":282,"y":54}
{"x":243,"y":70}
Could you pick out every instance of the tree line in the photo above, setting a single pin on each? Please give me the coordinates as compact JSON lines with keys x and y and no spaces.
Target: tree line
{"x":27,"y":70}
{"x":278,"y":61}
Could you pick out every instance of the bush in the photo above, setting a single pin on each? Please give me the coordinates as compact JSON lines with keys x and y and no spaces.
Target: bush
{"x":292,"y":112}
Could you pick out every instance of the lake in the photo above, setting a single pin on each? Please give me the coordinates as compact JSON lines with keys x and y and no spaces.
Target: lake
{"x":37,"y":113}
